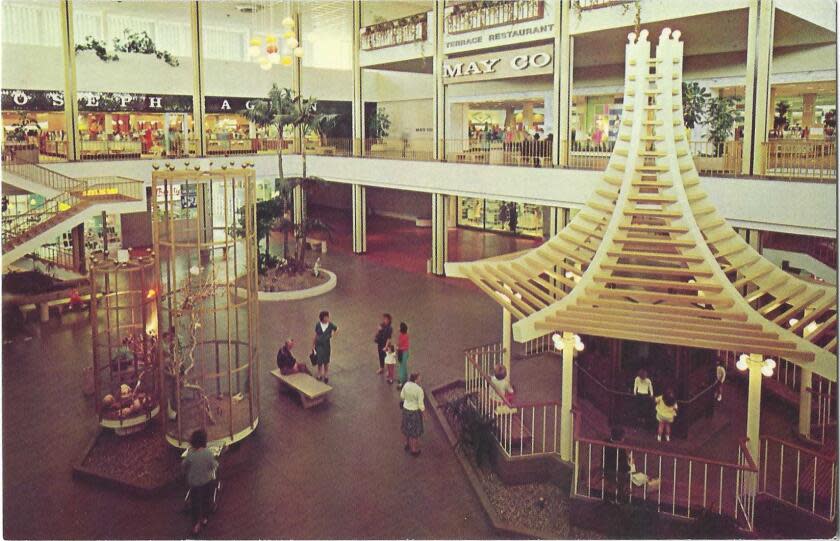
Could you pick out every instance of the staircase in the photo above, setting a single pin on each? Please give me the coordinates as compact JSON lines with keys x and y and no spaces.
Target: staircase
{"x":76,"y":201}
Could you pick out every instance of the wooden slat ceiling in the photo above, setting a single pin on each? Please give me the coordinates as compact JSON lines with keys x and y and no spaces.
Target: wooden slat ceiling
{"x":650,"y":259}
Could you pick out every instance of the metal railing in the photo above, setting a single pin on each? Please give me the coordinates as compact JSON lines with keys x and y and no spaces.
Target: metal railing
{"x":414,"y":149}
{"x":56,"y":255}
{"x":539,"y":345}
{"x":680,"y":485}
{"x":520,"y":430}
{"x":17,"y":227}
{"x":798,"y":476}
{"x":471,"y":16}
{"x":494,"y":152}
{"x":823,"y":409}
{"x":823,"y":250}
{"x":110,"y":187}
{"x":395,"y":32}
{"x":46,"y":177}
{"x":801,"y":158}
{"x":110,"y":150}
{"x":717,"y":158}
{"x":330,"y":146}
{"x":584,"y":5}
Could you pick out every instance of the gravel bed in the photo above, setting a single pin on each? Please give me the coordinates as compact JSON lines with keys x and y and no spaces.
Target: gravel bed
{"x":143,"y":459}
{"x":538,"y":506}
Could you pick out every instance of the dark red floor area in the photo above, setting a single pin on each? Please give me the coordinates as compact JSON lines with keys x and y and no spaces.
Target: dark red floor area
{"x":400,"y":244}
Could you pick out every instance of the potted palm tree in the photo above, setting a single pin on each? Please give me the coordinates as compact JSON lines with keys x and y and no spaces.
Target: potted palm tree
{"x":276,"y":111}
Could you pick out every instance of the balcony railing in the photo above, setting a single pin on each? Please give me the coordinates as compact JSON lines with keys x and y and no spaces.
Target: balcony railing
{"x":471,"y":16}
{"x":524,"y":153}
{"x":800,"y":477}
{"x":679,"y":485}
{"x":395,"y":32}
{"x":800,"y":158}
{"x":56,"y":255}
{"x":822,"y":249}
{"x":585,"y":5}
{"x":416,"y":149}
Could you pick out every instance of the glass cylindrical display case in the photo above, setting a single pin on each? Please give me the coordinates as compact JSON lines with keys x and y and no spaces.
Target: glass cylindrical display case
{"x":204,"y":228}
{"x":123,"y":315}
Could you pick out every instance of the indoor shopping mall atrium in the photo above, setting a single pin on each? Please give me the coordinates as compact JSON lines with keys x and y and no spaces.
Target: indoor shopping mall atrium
{"x":588,"y":248}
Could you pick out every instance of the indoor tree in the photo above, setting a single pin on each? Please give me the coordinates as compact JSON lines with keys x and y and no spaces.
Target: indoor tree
{"x":276,"y":111}
{"x":782,"y":118}
{"x":695,"y":100}
{"x":830,"y":122}
{"x":721,"y":116}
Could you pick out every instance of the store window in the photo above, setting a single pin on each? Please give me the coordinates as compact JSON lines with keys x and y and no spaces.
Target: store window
{"x":803,"y":111}
{"x":246,"y":51}
{"x":498,"y":107}
{"x":522,"y":219}
{"x":397,"y":58}
{"x":326,"y":35}
{"x":134,"y":104}
{"x":33,"y":78}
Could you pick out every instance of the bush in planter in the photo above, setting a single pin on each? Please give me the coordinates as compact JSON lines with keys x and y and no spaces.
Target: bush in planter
{"x":473,"y":430}
{"x":722,"y":114}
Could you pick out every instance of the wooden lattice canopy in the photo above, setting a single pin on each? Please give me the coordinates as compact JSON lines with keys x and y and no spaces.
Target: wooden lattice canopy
{"x":649,"y":258}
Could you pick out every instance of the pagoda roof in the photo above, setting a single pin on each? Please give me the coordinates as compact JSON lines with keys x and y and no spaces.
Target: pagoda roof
{"x":649,"y":257}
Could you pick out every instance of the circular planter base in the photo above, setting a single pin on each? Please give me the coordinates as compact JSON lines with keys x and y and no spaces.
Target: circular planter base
{"x":320,"y":289}
{"x":130,"y":425}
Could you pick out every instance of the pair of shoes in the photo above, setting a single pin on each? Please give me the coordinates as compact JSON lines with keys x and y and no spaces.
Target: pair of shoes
{"x":415,"y":453}
{"x":390,"y":381}
{"x":204,"y":521}
{"x":667,"y":437}
{"x":719,"y":398}
{"x":326,"y":380}
{"x":319,"y":378}
{"x":379,"y":371}
{"x":659,"y":437}
{"x":399,"y":386}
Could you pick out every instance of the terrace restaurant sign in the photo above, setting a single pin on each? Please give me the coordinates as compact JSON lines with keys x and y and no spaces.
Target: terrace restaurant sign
{"x":500,"y":65}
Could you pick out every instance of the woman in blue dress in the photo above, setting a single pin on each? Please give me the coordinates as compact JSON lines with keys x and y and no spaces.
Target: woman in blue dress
{"x":324,"y":331}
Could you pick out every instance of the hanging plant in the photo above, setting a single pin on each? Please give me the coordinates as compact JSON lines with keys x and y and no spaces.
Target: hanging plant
{"x":93,"y":44}
{"x":141,"y":42}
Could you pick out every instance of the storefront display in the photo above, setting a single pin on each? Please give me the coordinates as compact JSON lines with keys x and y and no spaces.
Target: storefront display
{"x":508,"y":217}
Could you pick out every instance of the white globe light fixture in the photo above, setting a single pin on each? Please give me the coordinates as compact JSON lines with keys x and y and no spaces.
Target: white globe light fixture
{"x":299,"y":52}
{"x":793,"y":321}
{"x":810,"y":327}
{"x":292,"y":42}
{"x":767,"y":371}
{"x":742,"y":362}
{"x":557,"y":339}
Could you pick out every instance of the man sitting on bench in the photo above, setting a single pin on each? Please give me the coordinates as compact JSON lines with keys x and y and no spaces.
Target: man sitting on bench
{"x":287,"y":363}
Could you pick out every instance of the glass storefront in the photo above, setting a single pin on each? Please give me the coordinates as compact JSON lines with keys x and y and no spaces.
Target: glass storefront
{"x":506,"y":217}
{"x":594,"y":122}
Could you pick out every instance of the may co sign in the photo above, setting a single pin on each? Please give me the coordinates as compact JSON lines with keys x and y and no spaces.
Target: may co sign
{"x":501,"y":65}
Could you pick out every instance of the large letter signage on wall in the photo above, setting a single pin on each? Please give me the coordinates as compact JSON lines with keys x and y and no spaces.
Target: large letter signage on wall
{"x":32,"y":100}
{"x":500,"y":65}
{"x":133,"y":103}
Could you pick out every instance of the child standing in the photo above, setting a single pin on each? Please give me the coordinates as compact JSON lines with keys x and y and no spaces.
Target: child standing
{"x":402,"y":353}
{"x":666,"y":412}
{"x":390,"y":360}
{"x":720,"y":376}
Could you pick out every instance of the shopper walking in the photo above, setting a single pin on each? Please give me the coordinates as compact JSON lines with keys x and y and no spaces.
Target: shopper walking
{"x":325,"y":330}
{"x":383,"y":335}
{"x":666,"y":412}
{"x":402,"y":353}
{"x":200,"y":471}
{"x":413,"y":406}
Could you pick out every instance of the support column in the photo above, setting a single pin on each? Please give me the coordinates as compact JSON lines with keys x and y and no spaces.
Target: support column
{"x":358,"y":103}
{"x":809,"y":102}
{"x":805,"y":402}
{"x":439,"y":100}
{"x":507,"y":343}
{"x":757,"y":92}
{"x":359,"y":219}
{"x":71,"y":101}
{"x":754,"y":364}
{"x":566,"y":398}
{"x":77,"y":242}
{"x":298,"y":145}
{"x":440,"y":237}
{"x":298,"y":205}
{"x":563,"y":70}
{"x":199,"y":138}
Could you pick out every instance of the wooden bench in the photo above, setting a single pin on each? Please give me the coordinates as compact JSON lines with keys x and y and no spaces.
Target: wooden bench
{"x":311,"y":391}
{"x":317,"y":244}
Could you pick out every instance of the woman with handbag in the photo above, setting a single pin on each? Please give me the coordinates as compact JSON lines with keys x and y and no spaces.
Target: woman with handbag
{"x":325,"y":330}
{"x":413,"y":406}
